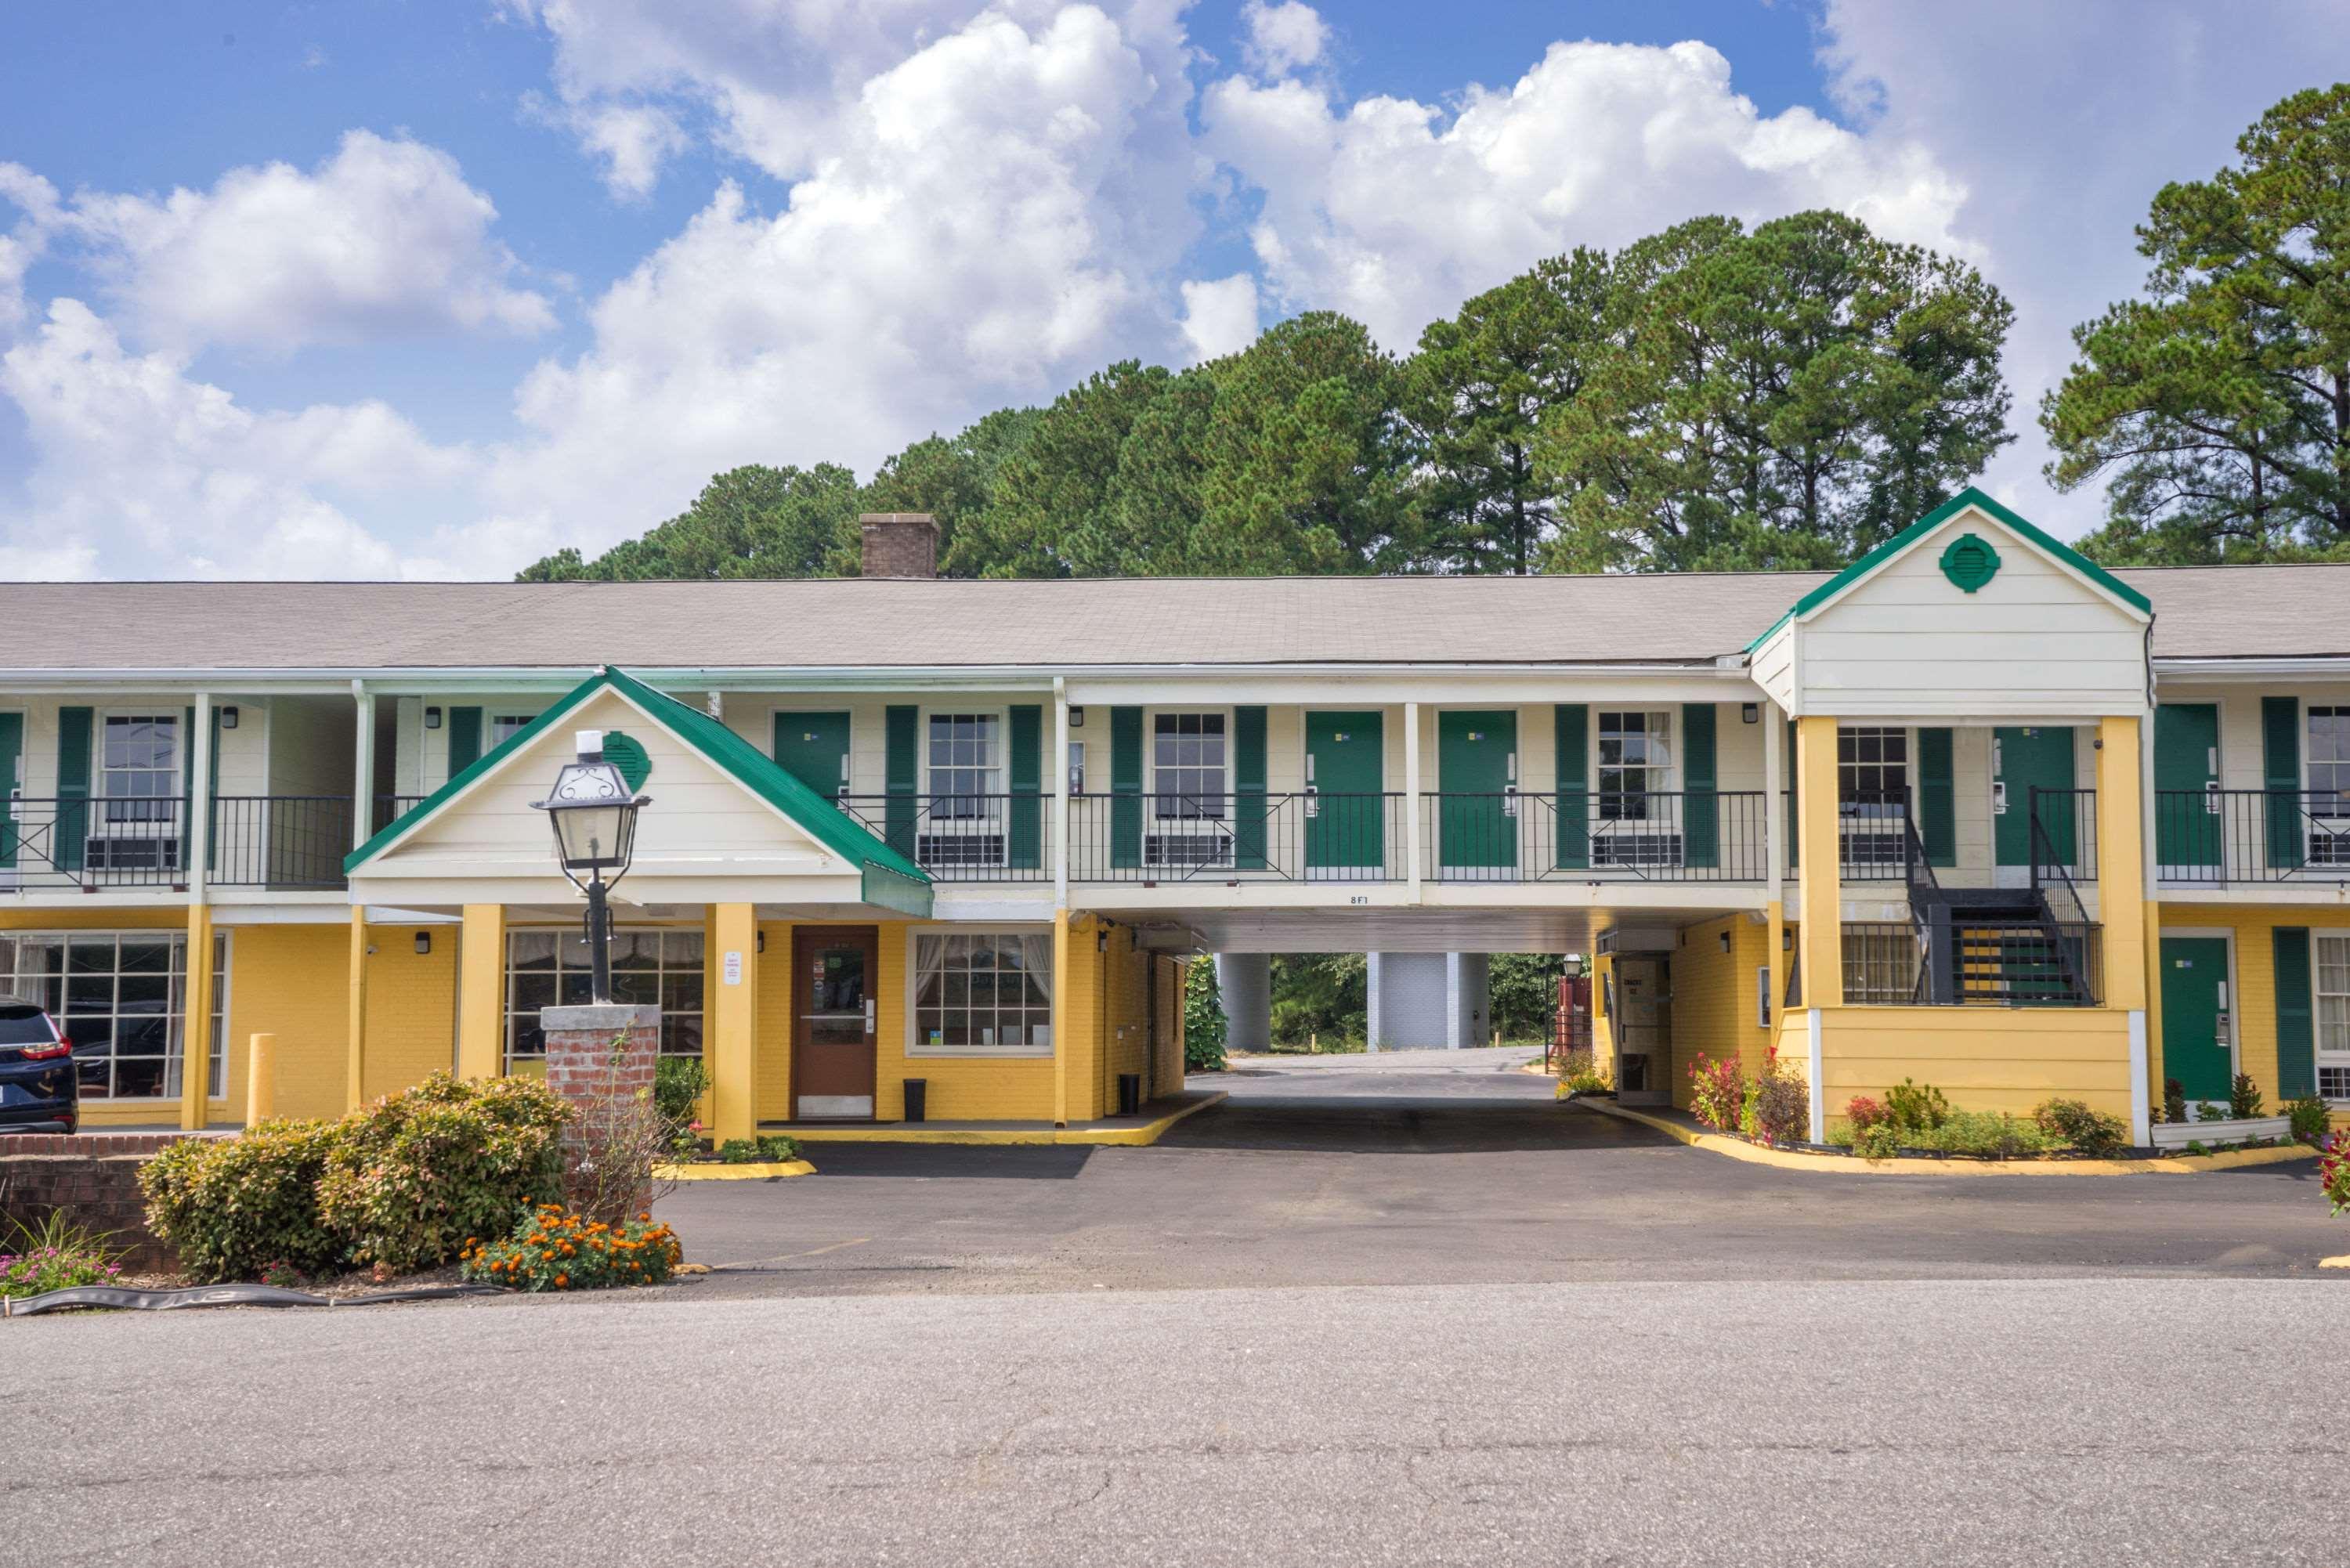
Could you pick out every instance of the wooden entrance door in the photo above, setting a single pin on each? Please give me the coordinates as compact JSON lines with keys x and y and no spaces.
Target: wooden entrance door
{"x":834,"y":971}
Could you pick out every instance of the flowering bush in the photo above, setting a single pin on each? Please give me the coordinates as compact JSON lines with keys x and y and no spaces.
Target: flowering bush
{"x":1863,"y":1112}
{"x":2334,"y":1171}
{"x":554,"y":1250}
{"x":56,"y":1255}
{"x":1782,"y":1107}
{"x":1717,"y":1093}
{"x":2310,"y":1118}
{"x":232,"y":1206}
{"x":410,"y":1177}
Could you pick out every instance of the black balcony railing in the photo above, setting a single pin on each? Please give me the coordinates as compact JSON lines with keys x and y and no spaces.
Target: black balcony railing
{"x":2218,"y":837}
{"x":391,"y":808}
{"x":1876,"y":839}
{"x":1690,"y":835}
{"x":101,"y":841}
{"x":1993,"y":962}
{"x":1172,"y":836}
{"x":2065,"y":830}
{"x":963,"y":838}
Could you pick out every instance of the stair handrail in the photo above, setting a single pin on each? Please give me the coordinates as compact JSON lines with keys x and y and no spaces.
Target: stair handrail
{"x":2044,"y":853}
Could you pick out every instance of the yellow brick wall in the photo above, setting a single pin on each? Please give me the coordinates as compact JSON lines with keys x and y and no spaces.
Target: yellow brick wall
{"x":2255,"y":966}
{"x":411,"y":1009}
{"x":1714,"y":998}
{"x":1983,"y":1058}
{"x":291,"y":982}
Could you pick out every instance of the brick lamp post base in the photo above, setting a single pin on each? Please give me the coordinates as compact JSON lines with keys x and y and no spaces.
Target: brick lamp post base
{"x":594,"y":1052}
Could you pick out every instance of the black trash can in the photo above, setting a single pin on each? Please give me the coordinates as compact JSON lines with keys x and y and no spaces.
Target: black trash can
{"x":917,"y":1099}
{"x":1130,"y":1093}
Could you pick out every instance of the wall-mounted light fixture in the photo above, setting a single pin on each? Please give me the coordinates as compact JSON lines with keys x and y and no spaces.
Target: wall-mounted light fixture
{"x":1076,"y":718}
{"x":228,"y":717}
{"x":433,"y":718}
{"x":1750,"y":712}
{"x":762,"y":942}
{"x":1725,"y":941}
{"x":424,"y":943}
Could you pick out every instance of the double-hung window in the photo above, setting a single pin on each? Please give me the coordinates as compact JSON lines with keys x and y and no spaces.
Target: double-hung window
{"x":1187,"y":766}
{"x":504,"y":727}
{"x":965,"y":760}
{"x":2329,"y":762}
{"x":1872,"y":771}
{"x":2334,"y":1017}
{"x":1635,"y":759}
{"x":139,"y":767}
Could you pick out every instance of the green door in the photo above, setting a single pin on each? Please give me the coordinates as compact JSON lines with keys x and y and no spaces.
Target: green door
{"x":12,"y":749}
{"x":2040,"y":757}
{"x":2186,"y":775}
{"x":1476,"y":768}
{"x":1345,"y":771}
{"x":2194,"y":1001}
{"x":813,"y":749}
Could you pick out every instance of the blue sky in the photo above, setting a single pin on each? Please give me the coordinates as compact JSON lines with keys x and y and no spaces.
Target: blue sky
{"x":382,"y":288}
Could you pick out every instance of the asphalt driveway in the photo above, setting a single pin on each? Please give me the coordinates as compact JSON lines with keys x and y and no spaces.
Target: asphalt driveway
{"x":1449,"y":1168}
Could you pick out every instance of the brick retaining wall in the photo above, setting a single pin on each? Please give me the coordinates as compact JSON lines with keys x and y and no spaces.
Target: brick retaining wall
{"x":99,"y":1190}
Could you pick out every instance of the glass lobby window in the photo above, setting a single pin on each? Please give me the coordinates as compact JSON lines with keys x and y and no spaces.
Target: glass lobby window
{"x":1635,"y":750}
{"x":120,"y":997}
{"x":1187,"y":762}
{"x":651,"y":968}
{"x":983,"y":992}
{"x":966,"y":762}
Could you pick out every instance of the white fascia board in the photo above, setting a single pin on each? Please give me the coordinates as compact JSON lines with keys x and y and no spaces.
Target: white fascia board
{"x":2315,"y":667}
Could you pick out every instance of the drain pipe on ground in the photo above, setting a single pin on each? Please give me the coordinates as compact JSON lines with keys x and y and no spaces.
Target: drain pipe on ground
{"x":127,"y":1300}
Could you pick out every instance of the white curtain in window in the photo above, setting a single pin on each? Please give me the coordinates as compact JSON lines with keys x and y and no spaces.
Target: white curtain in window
{"x":930,"y":965}
{"x":1036,"y":958}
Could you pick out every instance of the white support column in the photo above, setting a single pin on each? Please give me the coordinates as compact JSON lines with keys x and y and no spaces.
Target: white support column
{"x":1060,"y":794}
{"x":1775,"y":816}
{"x":1817,"y":1066}
{"x":1412,"y":822}
{"x":1245,"y":982}
{"x":199,"y":836}
{"x":363,"y":765}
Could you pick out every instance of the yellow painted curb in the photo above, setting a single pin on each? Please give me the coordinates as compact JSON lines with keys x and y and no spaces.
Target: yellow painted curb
{"x":1846,"y":1165}
{"x":1138,"y":1137}
{"x":758,"y":1170}
{"x":2341,"y":1262}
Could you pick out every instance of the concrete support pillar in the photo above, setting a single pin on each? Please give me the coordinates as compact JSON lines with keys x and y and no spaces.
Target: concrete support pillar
{"x":481,"y":992}
{"x":1245,"y":982}
{"x":1424,"y":1001}
{"x":729,"y":1041}
{"x":1819,"y":854}
{"x":1468,"y":1001}
{"x":355,"y":1030}
{"x":196,"y":1024}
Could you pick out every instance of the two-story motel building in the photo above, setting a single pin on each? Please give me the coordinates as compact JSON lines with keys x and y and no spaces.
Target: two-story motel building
{"x":1974,"y":811}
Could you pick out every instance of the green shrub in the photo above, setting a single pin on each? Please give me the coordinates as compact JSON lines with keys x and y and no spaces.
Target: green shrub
{"x":2243,"y":1097}
{"x":2174,"y":1101}
{"x":411,"y":1180}
{"x":1780,"y":1104}
{"x":554,"y":1251}
{"x":1878,"y":1141}
{"x":2210,"y":1111}
{"x":230,"y":1207}
{"x":2091,"y":1132}
{"x":1717,"y":1094}
{"x":1203,"y":1018}
{"x":739,"y":1151}
{"x":57,"y":1255}
{"x":1991,"y":1134}
{"x":2310,"y":1119}
{"x":778,"y":1147}
{"x":679,"y":1084}
{"x":1916,"y":1107}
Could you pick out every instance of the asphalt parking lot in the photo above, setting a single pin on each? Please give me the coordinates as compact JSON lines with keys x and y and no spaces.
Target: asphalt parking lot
{"x":1436,"y":1170}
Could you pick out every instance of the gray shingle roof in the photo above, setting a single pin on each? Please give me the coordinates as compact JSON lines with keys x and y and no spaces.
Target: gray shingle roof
{"x":2200,"y":612}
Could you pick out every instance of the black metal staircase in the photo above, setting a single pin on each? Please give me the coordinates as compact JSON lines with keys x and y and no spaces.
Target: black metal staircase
{"x":2015,"y":947}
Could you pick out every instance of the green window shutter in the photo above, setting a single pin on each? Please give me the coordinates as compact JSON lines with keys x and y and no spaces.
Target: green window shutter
{"x":1570,"y":756}
{"x":901,"y":777}
{"x":2296,"y":1040}
{"x":2281,"y":771}
{"x":1787,"y":767}
{"x":1701,"y":807}
{"x":1125,"y":788}
{"x":1937,"y":799}
{"x":12,"y":749}
{"x":465,"y":739}
{"x":1248,"y":789}
{"x":72,"y":830}
{"x":1024,"y":770}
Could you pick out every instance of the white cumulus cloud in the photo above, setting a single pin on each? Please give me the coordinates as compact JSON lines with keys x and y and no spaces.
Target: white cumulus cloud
{"x":1283,"y":38}
{"x":1220,"y":316}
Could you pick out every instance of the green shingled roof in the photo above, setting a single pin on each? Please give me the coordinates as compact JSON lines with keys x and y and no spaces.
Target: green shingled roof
{"x":2064,"y":555}
{"x":891,"y":879}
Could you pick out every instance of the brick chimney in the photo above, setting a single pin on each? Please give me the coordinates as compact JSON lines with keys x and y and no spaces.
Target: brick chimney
{"x":900,"y":544}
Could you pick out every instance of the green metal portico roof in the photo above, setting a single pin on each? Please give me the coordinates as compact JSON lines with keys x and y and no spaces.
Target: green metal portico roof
{"x":2064,"y":554}
{"x":892,"y":878}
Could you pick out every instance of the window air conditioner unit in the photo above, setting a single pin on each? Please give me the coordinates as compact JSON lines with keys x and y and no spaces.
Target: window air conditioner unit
{"x":1638,"y":850}
{"x":109,"y":853}
{"x":1189,"y":850}
{"x":948,"y":851}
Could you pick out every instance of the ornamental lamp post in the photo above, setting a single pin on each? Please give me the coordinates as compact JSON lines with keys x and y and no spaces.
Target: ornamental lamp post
{"x":594,"y":816}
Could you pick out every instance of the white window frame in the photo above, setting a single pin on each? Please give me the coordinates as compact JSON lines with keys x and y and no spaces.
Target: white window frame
{"x":176,"y":1050}
{"x":915,"y":1046}
{"x":998,"y":772}
{"x":1659,"y":778}
{"x":510,"y":1059}
{"x":159,"y":823}
{"x":1763,"y":996}
{"x":1220,"y":828}
{"x":2321,"y":1057}
{"x":2311,"y":788}
{"x":500,"y":728}
{"x":1909,"y":765}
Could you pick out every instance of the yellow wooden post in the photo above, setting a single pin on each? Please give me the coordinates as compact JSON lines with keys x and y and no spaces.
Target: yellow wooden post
{"x":2121,"y":866}
{"x":355,"y":1033}
{"x":196,"y":1023}
{"x":1819,"y":856}
{"x":260,"y":1079}
{"x":481,"y":992}
{"x":730,"y":1040}
{"x":1062,"y":1013}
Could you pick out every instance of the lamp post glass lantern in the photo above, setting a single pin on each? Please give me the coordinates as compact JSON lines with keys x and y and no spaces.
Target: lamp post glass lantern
{"x":594,"y":813}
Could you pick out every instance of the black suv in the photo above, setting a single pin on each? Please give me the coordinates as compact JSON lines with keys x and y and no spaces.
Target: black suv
{"x":39,"y":1091}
